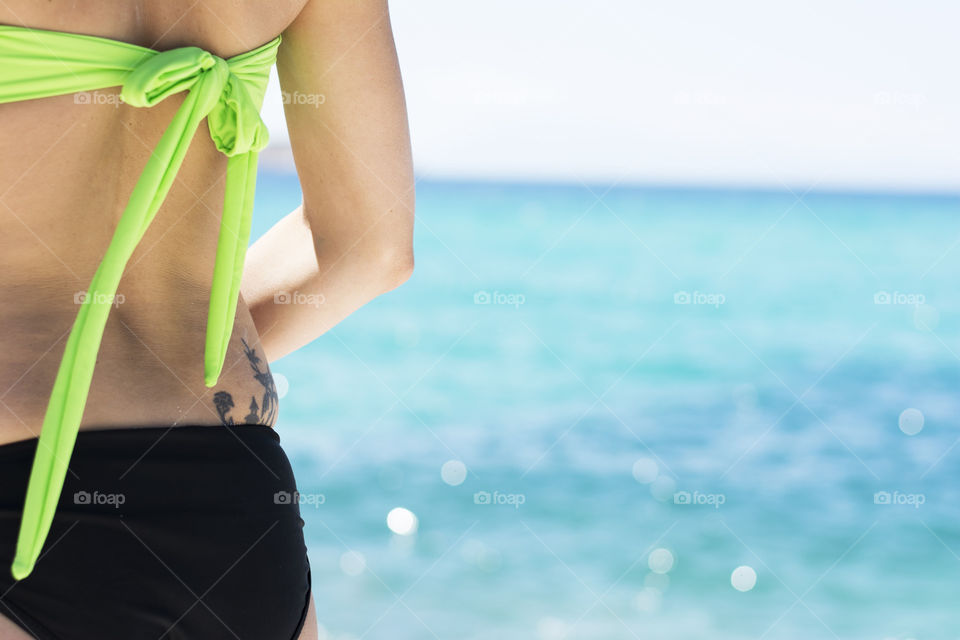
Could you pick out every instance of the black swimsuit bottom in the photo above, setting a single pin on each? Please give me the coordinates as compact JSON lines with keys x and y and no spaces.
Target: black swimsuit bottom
{"x":183,"y":533}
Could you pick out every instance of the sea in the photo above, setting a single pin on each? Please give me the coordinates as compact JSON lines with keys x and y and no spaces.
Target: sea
{"x":638,"y":412}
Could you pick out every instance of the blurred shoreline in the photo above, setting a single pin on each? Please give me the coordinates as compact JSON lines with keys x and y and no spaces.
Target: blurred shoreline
{"x":278,"y":158}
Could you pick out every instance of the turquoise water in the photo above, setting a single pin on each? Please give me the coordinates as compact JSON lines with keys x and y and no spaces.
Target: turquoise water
{"x":584,"y":391}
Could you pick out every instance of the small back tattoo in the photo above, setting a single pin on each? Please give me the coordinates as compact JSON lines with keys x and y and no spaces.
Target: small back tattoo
{"x":263,"y":412}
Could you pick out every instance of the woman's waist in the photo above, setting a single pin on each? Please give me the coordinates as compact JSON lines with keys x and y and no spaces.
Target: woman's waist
{"x":149,"y":372}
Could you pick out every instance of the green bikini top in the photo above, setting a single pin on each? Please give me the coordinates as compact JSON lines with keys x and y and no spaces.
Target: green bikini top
{"x":228,"y":93}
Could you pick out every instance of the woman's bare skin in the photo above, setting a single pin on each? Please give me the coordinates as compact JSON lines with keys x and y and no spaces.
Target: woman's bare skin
{"x":67,"y":169}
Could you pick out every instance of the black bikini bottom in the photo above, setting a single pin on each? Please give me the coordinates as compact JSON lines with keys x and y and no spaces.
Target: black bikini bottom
{"x":180,"y":533}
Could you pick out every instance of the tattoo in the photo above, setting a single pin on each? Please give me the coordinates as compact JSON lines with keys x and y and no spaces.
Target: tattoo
{"x":262,"y":413}
{"x":223,"y":401}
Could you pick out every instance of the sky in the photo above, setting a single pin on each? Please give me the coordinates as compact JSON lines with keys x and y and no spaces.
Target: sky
{"x":815,"y":94}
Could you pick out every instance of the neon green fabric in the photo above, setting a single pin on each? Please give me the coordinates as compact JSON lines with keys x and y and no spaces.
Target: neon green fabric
{"x":228,"y":93}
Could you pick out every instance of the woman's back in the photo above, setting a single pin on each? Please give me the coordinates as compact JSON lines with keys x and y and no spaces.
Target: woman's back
{"x":67,"y":167}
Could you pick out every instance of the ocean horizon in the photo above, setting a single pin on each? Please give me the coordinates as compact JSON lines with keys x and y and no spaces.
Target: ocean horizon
{"x":638,"y":412}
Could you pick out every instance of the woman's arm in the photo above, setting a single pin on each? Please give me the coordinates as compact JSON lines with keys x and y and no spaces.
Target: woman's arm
{"x":352,"y":238}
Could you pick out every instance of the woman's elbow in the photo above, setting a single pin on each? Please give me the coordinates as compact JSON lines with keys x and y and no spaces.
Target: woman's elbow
{"x":396,"y":245}
{"x":395,"y":267}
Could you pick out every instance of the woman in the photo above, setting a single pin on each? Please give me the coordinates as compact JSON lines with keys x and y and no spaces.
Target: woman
{"x":137,"y":335}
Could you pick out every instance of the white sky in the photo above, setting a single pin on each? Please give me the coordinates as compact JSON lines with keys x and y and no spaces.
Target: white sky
{"x":839,"y":93}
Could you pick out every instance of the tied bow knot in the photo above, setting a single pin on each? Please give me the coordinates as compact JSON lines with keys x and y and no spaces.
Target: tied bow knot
{"x":232,"y":117}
